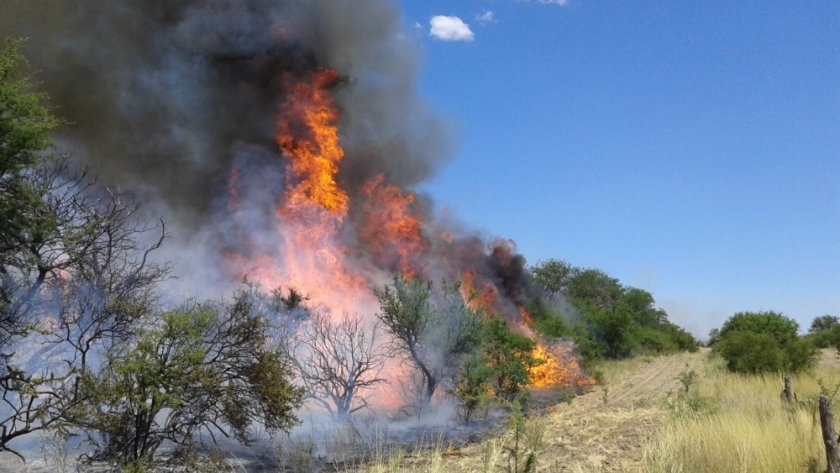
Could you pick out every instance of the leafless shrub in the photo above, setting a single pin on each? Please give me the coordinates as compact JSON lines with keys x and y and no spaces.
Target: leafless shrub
{"x":338,"y":362}
{"x":75,"y":280}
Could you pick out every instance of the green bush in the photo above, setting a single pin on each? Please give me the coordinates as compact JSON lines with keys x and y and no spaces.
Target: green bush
{"x":615,"y":321}
{"x":208,"y":367}
{"x":654,"y":342}
{"x":782,"y":329}
{"x":825,"y":332}
{"x":498,"y":370}
{"x":751,"y":352}
{"x":551,"y":326}
{"x":760,"y":342}
{"x":800,"y":355}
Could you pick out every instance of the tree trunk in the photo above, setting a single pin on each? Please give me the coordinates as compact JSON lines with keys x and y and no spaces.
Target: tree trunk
{"x":426,"y":404}
{"x":832,"y":455}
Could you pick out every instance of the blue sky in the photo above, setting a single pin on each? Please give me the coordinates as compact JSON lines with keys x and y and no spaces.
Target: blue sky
{"x":688,"y":148}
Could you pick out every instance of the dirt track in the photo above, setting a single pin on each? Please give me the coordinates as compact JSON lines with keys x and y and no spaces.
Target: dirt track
{"x":606,"y":432}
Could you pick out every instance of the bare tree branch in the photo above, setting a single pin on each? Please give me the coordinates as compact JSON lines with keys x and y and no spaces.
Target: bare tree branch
{"x":338,"y":361}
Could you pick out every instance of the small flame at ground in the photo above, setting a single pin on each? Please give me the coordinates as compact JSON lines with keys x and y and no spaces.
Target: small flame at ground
{"x":557,"y":366}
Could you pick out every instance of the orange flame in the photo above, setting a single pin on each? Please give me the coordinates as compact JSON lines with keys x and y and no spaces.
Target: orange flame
{"x":526,"y":316}
{"x":314,"y":206}
{"x":484,"y":297}
{"x":391,"y":228}
{"x":557,"y":367}
{"x":309,"y":255}
{"x":311,"y":216}
{"x":308,"y":136}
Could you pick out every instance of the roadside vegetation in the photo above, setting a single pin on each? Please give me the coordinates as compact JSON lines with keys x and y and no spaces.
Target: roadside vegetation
{"x":734,"y":422}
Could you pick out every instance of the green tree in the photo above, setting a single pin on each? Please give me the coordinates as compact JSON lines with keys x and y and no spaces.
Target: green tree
{"x":433,"y":331}
{"x":824,"y":323}
{"x":74,"y":278}
{"x":782,"y":329}
{"x":755,"y":342}
{"x":205,"y":368}
{"x":79,"y":281}
{"x":24,"y":127}
{"x":553,"y":277}
{"x":751,"y":352}
{"x":24,"y":139}
{"x":508,"y":357}
{"x":800,"y":355}
{"x":640,"y":303}
{"x":474,"y":388}
{"x":614,"y":328}
{"x":549,"y":325}
{"x":595,"y":287}
{"x":825,"y":338}
{"x":825,"y":332}
{"x":613,"y":321}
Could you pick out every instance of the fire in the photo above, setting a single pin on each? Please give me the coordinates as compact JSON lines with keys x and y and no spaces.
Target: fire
{"x":309,"y":138}
{"x":526,"y":316}
{"x":391,"y":229}
{"x":557,"y":367}
{"x":315,"y":220}
{"x":480,"y":294}
{"x":309,"y":254}
{"x":314,"y":207}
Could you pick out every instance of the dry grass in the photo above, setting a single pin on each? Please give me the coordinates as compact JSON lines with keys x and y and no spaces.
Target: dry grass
{"x":637,"y":421}
{"x":748,"y":428}
{"x":434,"y":456}
{"x":592,"y":433}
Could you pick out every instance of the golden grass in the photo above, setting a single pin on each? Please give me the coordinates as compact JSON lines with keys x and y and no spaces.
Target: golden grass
{"x":747,"y":429}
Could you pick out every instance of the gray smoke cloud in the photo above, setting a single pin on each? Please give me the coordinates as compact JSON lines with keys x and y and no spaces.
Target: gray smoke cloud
{"x":167,"y":97}
{"x":160,"y":93}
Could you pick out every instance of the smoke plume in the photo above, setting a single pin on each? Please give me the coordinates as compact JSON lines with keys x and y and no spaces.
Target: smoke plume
{"x":160,"y":93}
{"x":178,"y":102}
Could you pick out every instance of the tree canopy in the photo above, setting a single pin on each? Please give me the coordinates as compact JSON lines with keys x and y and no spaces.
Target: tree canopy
{"x":432,"y":329}
{"x":756,"y":342}
{"x":609,"y":319}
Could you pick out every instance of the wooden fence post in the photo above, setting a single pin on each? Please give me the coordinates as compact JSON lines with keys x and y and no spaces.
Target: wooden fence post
{"x":832,"y":455}
{"x":787,"y":393}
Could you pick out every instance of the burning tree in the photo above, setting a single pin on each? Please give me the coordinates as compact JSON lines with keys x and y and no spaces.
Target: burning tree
{"x":338,"y":361}
{"x":431,"y":330}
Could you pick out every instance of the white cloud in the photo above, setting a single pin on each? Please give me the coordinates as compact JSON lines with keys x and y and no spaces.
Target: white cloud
{"x":450,"y":28}
{"x":486,"y":17}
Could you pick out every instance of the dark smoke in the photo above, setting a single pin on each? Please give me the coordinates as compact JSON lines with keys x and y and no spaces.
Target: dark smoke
{"x":168,"y":98}
{"x":158,"y":93}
